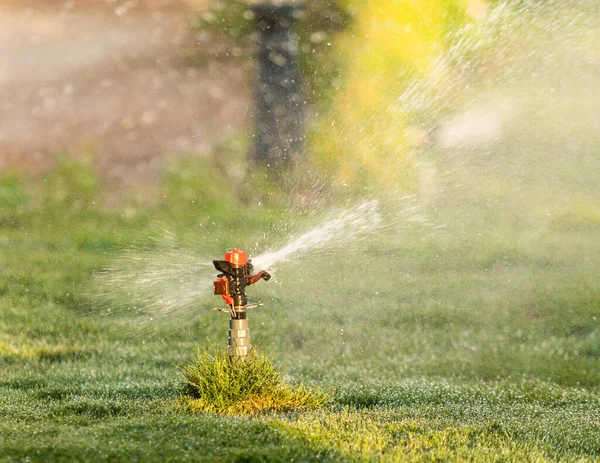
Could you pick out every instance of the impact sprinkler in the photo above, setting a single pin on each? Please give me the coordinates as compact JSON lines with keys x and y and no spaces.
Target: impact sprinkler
{"x":236,"y":273}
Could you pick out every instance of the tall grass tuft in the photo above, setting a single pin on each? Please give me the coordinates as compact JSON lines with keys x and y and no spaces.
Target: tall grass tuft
{"x":216,"y":384}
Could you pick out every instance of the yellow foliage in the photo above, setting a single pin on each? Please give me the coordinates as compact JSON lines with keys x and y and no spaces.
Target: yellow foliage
{"x":365,"y":138}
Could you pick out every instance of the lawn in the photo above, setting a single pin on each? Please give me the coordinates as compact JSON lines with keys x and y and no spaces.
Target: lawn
{"x":436,"y":341}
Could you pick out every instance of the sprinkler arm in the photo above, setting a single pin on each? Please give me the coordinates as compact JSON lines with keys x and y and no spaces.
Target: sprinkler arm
{"x":262,"y":274}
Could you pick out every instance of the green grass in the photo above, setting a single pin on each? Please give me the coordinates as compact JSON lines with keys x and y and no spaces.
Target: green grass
{"x":214,"y":383}
{"x":454,"y":343}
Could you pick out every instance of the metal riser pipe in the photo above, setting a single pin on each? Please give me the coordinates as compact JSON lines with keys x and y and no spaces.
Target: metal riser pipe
{"x":239,"y":338}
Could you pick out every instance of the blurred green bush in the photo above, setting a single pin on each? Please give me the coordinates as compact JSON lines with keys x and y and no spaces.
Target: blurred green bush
{"x":369,"y":135}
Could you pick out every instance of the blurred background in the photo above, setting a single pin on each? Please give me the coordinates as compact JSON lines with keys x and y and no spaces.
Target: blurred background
{"x":117,"y":81}
{"x":129,"y":85}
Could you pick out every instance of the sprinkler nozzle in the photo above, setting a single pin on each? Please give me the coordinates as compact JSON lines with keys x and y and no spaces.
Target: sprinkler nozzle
{"x":236,"y":273}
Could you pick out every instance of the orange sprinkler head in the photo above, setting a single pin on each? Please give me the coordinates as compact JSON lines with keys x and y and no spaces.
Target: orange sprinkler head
{"x":236,"y":274}
{"x":236,"y":257}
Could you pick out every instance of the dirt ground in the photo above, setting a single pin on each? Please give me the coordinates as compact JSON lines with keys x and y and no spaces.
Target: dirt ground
{"x":108,"y":77}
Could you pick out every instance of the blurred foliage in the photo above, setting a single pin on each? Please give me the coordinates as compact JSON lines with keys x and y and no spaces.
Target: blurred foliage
{"x":317,"y":23}
{"x":196,"y":187}
{"x":198,"y":193}
{"x":12,"y":195}
{"x":369,"y":135}
{"x":13,"y":200}
{"x":73,"y":184}
{"x":575,"y":212}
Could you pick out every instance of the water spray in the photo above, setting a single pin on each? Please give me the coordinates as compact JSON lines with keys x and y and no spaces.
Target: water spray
{"x":236,"y":273}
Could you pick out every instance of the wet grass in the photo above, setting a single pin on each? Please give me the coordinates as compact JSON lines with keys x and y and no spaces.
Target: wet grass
{"x":216,"y":384}
{"x":432,"y":344}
